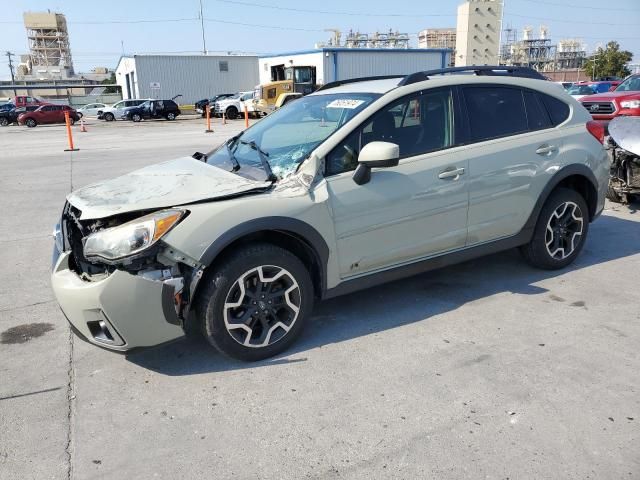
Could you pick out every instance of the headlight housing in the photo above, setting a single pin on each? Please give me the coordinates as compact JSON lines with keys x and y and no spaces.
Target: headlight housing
{"x":132,"y":237}
{"x":630,"y":104}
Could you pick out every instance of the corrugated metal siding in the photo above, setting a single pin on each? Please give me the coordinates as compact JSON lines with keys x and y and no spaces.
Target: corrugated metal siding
{"x":363,"y":63}
{"x":195,"y":77}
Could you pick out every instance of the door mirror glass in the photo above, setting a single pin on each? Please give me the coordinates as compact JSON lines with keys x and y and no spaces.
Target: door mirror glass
{"x":375,"y":155}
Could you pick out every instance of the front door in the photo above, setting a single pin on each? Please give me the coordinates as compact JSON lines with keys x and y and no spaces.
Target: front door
{"x":408,"y":212}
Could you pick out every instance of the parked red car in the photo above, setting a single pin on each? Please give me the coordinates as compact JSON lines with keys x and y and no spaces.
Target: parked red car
{"x":48,"y":114}
{"x":624,"y":100}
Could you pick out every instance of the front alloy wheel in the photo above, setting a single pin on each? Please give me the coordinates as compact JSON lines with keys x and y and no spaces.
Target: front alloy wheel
{"x":262,"y":306}
{"x":254,"y":304}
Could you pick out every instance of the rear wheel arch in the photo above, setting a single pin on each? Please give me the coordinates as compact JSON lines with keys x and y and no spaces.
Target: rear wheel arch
{"x":293,"y":235}
{"x":575,"y":177}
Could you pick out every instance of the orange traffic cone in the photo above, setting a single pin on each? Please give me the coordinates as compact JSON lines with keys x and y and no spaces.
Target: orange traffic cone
{"x":82,"y":127}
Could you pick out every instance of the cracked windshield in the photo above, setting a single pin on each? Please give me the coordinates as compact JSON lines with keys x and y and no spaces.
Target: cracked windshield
{"x":286,"y":137}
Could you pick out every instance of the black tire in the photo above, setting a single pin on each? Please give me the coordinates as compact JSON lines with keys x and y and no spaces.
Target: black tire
{"x":31,"y":123}
{"x":612,"y":195}
{"x":221,"y":285}
{"x":171,"y":116}
{"x":232,"y":113}
{"x":4,"y":121}
{"x":109,"y":117}
{"x":136,"y":117}
{"x":549,"y":227}
{"x":72,"y":121}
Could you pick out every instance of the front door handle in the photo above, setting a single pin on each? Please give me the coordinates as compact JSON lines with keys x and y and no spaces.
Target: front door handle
{"x":451,"y":173}
{"x":546,"y":149}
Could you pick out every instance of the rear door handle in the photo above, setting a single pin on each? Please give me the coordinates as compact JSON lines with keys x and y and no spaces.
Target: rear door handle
{"x":451,"y":173}
{"x":546,"y":149}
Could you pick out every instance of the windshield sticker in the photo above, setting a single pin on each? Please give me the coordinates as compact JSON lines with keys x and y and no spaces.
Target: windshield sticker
{"x":345,"y":103}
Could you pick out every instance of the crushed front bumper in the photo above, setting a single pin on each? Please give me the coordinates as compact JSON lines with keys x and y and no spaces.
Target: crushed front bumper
{"x":120,"y":312}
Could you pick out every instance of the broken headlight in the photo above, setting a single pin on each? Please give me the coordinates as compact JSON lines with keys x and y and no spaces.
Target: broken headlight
{"x":132,"y":237}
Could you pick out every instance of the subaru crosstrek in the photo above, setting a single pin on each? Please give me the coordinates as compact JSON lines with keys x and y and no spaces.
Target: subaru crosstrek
{"x":362,"y":182}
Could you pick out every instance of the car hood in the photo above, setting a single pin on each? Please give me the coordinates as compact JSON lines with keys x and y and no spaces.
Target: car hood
{"x":610,"y":96}
{"x":177,"y":182}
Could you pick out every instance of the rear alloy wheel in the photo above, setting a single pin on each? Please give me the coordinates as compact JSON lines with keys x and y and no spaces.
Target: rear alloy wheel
{"x":560,"y":232}
{"x":171,"y":116}
{"x":255,"y":304}
{"x":31,"y":123}
{"x":136,"y":117}
{"x":109,"y":117}
{"x":4,"y":121}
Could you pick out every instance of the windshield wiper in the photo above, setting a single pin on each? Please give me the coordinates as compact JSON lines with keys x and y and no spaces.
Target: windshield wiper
{"x":232,"y":157}
{"x":263,"y":159}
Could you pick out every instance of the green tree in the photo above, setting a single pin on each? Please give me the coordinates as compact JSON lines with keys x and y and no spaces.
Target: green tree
{"x":609,"y":61}
{"x":110,"y":80}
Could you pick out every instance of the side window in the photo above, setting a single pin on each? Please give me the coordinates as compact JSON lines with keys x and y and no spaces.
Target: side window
{"x":558,"y":110}
{"x":419,"y":123}
{"x":537,"y":116}
{"x":48,"y":108}
{"x":495,"y":112}
{"x":224,"y":66}
{"x":271,"y":93}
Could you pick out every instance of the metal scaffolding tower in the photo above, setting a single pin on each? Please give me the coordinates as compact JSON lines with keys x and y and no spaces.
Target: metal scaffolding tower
{"x":48,"y":39}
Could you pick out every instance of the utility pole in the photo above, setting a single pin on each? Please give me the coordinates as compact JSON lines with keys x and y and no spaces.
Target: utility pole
{"x":204,"y":42}
{"x":13,"y":79}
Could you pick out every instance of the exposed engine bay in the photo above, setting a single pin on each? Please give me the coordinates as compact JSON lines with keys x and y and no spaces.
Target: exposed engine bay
{"x":624,"y":151}
{"x":158,"y":263}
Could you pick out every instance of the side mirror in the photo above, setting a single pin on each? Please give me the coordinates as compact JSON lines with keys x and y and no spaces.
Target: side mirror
{"x":375,"y":155}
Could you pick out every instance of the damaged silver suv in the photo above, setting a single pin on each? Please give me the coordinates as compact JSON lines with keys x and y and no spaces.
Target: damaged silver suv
{"x":363,"y":182}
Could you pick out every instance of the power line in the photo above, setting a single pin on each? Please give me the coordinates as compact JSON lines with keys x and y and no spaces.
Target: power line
{"x":273,"y":27}
{"x":555,"y":20}
{"x":333,"y":12}
{"x":588,"y":7}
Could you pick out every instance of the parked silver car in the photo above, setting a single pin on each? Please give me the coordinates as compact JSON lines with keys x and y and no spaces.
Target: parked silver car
{"x":362,"y":182}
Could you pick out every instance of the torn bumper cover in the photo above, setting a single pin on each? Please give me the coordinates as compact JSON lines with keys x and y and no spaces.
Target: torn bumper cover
{"x":121,"y":311}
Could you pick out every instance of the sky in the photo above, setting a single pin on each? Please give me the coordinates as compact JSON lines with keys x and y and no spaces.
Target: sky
{"x":101,"y":31}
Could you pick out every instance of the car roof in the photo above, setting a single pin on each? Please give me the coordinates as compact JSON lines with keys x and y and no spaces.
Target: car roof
{"x":388,"y":84}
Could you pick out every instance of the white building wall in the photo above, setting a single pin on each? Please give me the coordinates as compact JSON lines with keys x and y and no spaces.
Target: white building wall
{"x":478,"y":32}
{"x":192,"y":76}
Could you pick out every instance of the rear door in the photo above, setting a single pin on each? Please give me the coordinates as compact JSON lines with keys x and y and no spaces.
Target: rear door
{"x":511,"y":141}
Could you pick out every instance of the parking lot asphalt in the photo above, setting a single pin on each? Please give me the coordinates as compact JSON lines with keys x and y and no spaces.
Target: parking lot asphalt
{"x":488,"y":369}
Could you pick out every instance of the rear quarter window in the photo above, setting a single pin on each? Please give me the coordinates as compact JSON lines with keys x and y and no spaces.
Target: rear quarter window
{"x":557,"y":109}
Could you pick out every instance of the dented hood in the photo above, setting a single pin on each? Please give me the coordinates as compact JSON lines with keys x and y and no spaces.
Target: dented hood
{"x":177,"y":182}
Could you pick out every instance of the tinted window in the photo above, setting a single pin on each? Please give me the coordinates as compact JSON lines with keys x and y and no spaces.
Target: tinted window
{"x":495,"y":112}
{"x":557,"y":109}
{"x":537,"y":117}
{"x":418,"y":124}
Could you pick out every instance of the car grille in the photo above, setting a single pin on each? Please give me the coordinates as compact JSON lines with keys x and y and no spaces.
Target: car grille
{"x":599,"y":108}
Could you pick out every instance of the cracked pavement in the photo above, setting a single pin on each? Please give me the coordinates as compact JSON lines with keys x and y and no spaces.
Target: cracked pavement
{"x":485,"y":369}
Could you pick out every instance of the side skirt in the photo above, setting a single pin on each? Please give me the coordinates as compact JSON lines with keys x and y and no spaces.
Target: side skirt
{"x":428,"y":264}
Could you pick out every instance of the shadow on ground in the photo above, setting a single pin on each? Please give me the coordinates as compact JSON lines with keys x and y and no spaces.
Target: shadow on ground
{"x":415,"y":299}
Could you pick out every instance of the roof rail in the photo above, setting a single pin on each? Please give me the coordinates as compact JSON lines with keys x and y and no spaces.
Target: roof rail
{"x":488,"y":70}
{"x":335,"y":84}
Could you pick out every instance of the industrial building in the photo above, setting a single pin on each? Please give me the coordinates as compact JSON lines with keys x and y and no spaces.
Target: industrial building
{"x":342,"y":63}
{"x":478,"y":32}
{"x":49,"y":50}
{"x":192,"y":76}
{"x":541,"y":53}
{"x":437,"y":38}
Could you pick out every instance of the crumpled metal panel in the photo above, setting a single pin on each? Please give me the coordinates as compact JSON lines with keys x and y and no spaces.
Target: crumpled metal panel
{"x":626,"y":133}
{"x":177,"y":182}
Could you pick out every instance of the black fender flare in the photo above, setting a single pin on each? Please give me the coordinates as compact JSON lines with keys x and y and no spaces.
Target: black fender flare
{"x":559,"y":176}
{"x":286,"y":225}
